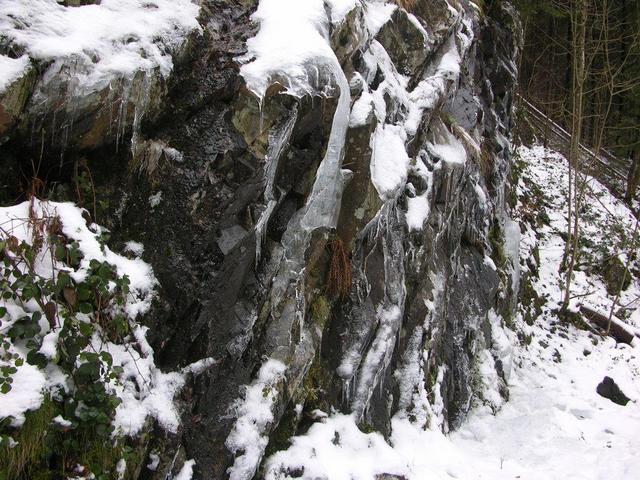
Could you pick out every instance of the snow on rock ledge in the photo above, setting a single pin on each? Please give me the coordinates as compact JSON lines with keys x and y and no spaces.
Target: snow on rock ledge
{"x":11,"y":69}
{"x":292,"y":46}
{"x":390,"y":161}
{"x":249,"y":436}
{"x":115,"y":38}
{"x":98,"y":69}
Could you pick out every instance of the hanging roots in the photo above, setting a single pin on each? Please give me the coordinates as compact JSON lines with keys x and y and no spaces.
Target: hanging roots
{"x":339,"y":274}
{"x":406,"y":4}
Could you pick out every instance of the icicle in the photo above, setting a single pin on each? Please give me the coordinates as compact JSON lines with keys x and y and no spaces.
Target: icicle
{"x":122,"y":112}
{"x":140,"y":109}
{"x":261,"y":228}
{"x":277,"y":145}
{"x":300,"y":301}
{"x":321,"y":211}
{"x":389,"y":314}
{"x":324,"y":202}
{"x":345,"y":391}
{"x":261,"y":112}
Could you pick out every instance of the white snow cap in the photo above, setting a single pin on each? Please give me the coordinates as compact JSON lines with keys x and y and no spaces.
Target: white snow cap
{"x":390,"y":162}
{"x":186,"y":473}
{"x":111,"y":39}
{"x":292,"y":45}
{"x":11,"y":69}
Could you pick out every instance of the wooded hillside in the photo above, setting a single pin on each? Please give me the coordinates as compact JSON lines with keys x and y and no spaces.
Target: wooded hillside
{"x":609,"y":31}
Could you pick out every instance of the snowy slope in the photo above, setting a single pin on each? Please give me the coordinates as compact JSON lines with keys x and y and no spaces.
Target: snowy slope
{"x":606,"y":225}
{"x":554,"y":426}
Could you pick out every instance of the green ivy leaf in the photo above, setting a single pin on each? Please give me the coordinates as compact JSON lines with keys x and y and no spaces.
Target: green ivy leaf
{"x":106,"y":358}
{"x":85,"y":329}
{"x":36,"y":359}
{"x":84,"y":293}
{"x":60,"y":253}
{"x":105,"y":272}
{"x":85,"y":308}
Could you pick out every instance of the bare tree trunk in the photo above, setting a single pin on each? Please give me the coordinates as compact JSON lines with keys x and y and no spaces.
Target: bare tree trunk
{"x":632,"y":248}
{"x":633,"y":179}
{"x":579,"y":12}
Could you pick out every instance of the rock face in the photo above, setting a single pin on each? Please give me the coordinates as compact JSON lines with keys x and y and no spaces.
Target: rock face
{"x":224,"y":190}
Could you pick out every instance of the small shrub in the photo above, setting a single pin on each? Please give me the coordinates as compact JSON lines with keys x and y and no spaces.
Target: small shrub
{"x":82,"y":310}
{"x":496,"y":239}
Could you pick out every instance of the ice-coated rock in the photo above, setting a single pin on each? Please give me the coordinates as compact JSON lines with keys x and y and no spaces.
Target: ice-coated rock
{"x":387,"y":143}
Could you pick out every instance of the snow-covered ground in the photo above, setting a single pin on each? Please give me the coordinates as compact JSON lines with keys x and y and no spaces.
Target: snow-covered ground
{"x":555,"y":425}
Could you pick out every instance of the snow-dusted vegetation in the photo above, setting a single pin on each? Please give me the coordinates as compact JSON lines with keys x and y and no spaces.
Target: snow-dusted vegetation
{"x":73,"y":354}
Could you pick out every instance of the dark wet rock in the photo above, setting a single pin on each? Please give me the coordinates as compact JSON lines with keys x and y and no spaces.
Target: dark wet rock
{"x":436,"y":17}
{"x":405,"y":42}
{"x":13,"y":101}
{"x":610,"y":390}
{"x":615,"y":275}
{"x":230,"y":237}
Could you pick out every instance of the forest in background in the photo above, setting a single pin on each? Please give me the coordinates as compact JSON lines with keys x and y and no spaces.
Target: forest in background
{"x":586,"y":52}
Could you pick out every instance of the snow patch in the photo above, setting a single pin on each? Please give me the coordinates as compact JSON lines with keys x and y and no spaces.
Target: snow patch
{"x":249,"y":436}
{"x":273,"y":57}
{"x":145,"y":390}
{"x":417,"y":211}
{"x":186,"y":472}
{"x":450,"y":150}
{"x":11,"y":69}
{"x":135,"y":248}
{"x":338,"y":450}
{"x":377,"y":13}
{"x":362,"y":109}
{"x":155,"y":199}
{"x":339,"y":9}
{"x":27,"y":393}
{"x":389,"y":162}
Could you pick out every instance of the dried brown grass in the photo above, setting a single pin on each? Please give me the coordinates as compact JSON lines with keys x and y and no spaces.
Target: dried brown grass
{"x":339,"y":274}
{"x":406,"y":4}
{"x":485,"y":160}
